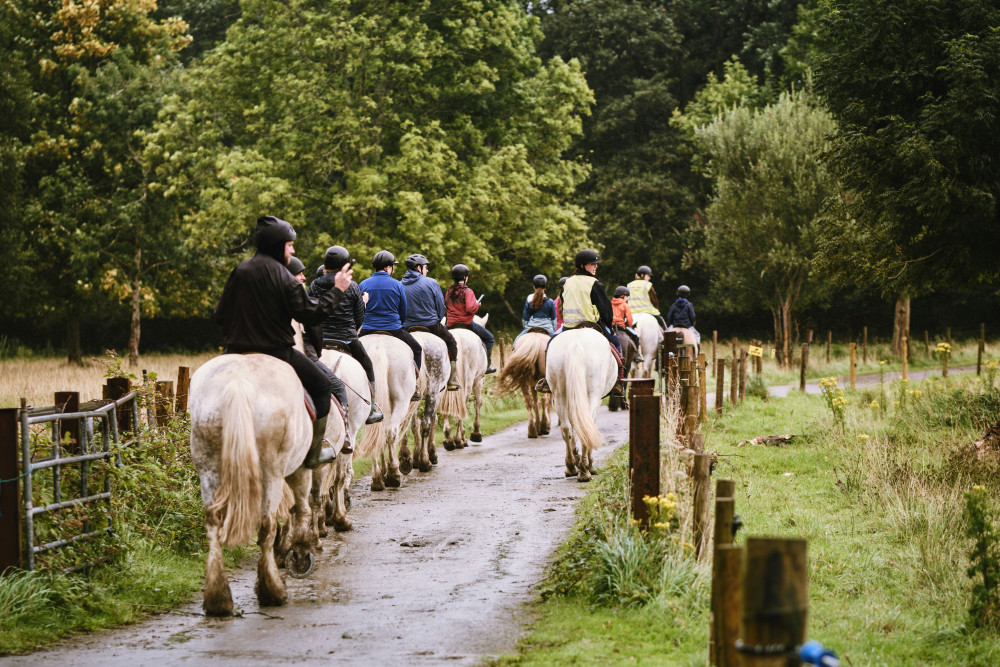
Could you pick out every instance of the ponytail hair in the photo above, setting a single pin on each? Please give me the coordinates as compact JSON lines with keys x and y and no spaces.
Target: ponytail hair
{"x":538,"y":300}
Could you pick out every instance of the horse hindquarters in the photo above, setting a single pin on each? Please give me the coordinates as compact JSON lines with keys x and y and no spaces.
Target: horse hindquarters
{"x":577,"y":405}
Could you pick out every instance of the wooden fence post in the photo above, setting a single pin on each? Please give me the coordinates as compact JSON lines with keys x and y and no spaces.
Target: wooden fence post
{"x":734,"y":381}
{"x":10,"y":490}
{"x":715,"y":343}
{"x":775,"y":599}
{"x":720,"y":385}
{"x":69,"y":429}
{"x":743,"y":374}
{"x":164,"y":401}
{"x":906,"y":374}
{"x":114,"y":389}
{"x":503,"y":350}
{"x":725,"y":623}
{"x":702,"y":494}
{"x":644,"y":452}
{"x":805,"y":364}
{"x":981,"y":348}
{"x":944,"y":365}
{"x":829,"y":344}
{"x":854,"y":358}
{"x":183,"y":386}
{"x":864,"y":346}
{"x":702,"y":388}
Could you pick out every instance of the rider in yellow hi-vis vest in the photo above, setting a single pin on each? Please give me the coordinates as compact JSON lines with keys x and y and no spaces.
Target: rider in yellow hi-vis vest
{"x":642,"y":297}
{"x":584,"y":300}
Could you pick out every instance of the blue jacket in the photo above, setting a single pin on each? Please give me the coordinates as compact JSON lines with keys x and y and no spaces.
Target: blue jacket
{"x":681,"y":313}
{"x":386,"y":307}
{"x":424,"y":302}
{"x":544,"y":317}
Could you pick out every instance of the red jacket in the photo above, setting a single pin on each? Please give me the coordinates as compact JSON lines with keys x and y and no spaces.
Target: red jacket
{"x":623,"y":314}
{"x":460,"y":305}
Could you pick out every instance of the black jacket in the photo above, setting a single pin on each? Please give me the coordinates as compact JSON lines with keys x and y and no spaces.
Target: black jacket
{"x":259,"y":302}
{"x":681,"y":314}
{"x":344,"y":323}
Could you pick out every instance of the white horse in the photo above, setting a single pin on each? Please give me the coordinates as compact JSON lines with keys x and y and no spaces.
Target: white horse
{"x":688,"y":336}
{"x":395,"y":382}
{"x":337,"y":477}
{"x":432,"y":382}
{"x":650,"y":338}
{"x":581,"y":370}
{"x":250,"y":432}
{"x":472,"y":366}
{"x":523,"y":370}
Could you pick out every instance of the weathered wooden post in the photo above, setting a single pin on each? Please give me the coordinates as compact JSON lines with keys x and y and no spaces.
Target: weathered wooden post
{"x":10,"y":490}
{"x":805,"y":364}
{"x":944,"y":365}
{"x":702,"y":494}
{"x":69,"y":429}
{"x":114,"y":389}
{"x":726,"y":563}
{"x":736,"y":347}
{"x":164,"y":400}
{"x":702,"y":388}
{"x":906,"y":374}
{"x":829,"y":344}
{"x":644,"y":449}
{"x":854,"y":369}
{"x":775,"y":601}
{"x":743,"y":374}
{"x":715,"y":343}
{"x":183,"y":386}
{"x":734,"y":381}
{"x":720,"y":384}
{"x":981,"y":348}
{"x":503,"y":352}
{"x":864,"y":346}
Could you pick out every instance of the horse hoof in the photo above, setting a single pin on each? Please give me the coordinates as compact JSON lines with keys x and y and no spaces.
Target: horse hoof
{"x":544,"y":431}
{"x":323,"y":532}
{"x":218,"y":607}
{"x":433,"y":457}
{"x":449,"y":445}
{"x":377,"y":486}
{"x":392,"y":481}
{"x":425,"y":467}
{"x":476,"y":437}
{"x":532,"y":436}
{"x":347,"y":500}
{"x":570,"y":473}
{"x":405,"y":466}
{"x":343,"y":526}
{"x":583,"y":477}
{"x":300,"y":565}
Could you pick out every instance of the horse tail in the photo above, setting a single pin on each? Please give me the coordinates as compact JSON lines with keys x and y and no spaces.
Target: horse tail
{"x":453,"y":403}
{"x":577,"y":400}
{"x":237,"y":498}
{"x":526,"y":364}
{"x":373,"y":438}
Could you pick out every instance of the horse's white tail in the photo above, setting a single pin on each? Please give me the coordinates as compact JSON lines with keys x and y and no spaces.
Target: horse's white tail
{"x":455,"y":403}
{"x":373,"y":438}
{"x":525,"y":366}
{"x":581,"y":418}
{"x":237,"y":498}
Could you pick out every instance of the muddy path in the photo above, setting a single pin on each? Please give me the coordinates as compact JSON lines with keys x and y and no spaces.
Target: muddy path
{"x":437,"y":571}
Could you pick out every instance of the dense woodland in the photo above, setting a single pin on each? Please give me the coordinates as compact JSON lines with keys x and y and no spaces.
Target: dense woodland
{"x":801,"y":165}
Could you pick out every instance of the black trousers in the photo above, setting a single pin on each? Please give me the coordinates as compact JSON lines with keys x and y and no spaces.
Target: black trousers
{"x":318,"y":380}
{"x":441,"y":331}
{"x":360,"y":354}
{"x":403,"y":335}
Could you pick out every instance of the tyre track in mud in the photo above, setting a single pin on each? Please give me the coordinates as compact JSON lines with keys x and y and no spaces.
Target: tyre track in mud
{"x":437,"y":571}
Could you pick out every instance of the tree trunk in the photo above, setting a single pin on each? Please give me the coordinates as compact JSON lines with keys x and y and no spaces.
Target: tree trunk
{"x":778,"y":338}
{"x":134,"y":328}
{"x":901,"y":323}
{"x":786,"y":320}
{"x":73,"y":353}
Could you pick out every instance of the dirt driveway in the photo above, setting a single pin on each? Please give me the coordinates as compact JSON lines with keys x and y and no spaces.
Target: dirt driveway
{"x":437,"y":571}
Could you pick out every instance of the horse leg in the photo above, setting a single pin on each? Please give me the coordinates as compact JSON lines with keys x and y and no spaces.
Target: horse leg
{"x":405,"y":459}
{"x":378,"y":481}
{"x":430,"y":433}
{"x":338,"y":516}
{"x":317,"y":491}
{"x":532,"y":425}
{"x":427,"y":436}
{"x":218,"y":597}
{"x":392,"y":477}
{"x":545,"y":404}
{"x":270,"y":588}
{"x":567,"y":435}
{"x":449,"y":443}
{"x":477,"y":392}
{"x":420,"y":460}
{"x":584,"y":465}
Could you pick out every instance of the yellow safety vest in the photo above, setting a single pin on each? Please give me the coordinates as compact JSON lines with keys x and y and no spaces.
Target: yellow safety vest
{"x":576,"y":304}
{"x":638,"y":297}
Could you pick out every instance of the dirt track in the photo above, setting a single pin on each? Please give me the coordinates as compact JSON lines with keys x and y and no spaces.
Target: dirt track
{"x":436,"y":571}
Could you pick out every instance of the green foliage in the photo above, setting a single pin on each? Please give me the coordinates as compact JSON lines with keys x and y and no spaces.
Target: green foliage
{"x":834,"y":398}
{"x":981,"y":527}
{"x":912,"y":87}
{"x":738,"y":89}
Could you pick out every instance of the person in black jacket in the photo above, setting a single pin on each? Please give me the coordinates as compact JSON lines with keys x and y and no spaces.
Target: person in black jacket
{"x":342,"y":326}
{"x":257,"y":306}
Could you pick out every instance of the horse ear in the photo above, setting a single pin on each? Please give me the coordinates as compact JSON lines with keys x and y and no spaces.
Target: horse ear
{"x":485,"y":318}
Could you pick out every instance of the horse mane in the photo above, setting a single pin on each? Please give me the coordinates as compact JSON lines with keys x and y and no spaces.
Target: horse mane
{"x":526,"y":365}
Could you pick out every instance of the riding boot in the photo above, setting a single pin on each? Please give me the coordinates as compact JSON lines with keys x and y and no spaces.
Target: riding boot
{"x":542,"y":386}
{"x":375,"y":415}
{"x":416,"y":391}
{"x":490,"y":368}
{"x":318,"y":454}
{"x":453,"y":384}
{"x":618,"y":390}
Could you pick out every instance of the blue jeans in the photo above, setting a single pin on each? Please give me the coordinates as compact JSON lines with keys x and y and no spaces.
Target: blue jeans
{"x":484,"y":336}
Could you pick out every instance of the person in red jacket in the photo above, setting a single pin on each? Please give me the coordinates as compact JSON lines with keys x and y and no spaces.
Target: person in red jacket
{"x":460,"y":305}
{"x":622,"y":319}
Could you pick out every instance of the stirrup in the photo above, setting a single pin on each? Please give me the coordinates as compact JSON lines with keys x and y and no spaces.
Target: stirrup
{"x":347,"y":447}
{"x":542,"y":386}
{"x":618,"y":389}
{"x":374,"y":416}
{"x":454,"y":387}
{"x":491,"y":369}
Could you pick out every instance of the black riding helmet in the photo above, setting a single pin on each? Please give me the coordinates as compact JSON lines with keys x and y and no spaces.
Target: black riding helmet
{"x":683,"y":291}
{"x":272,"y":235}
{"x":587,"y":256}
{"x":382,"y":259}
{"x":459,"y":272}
{"x":562,"y":281}
{"x":540,"y":281}
{"x":321,"y":270}
{"x":644,"y":271}
{"x":621,"y":290}
{"x":295,"y":266}
{"x":336,"y":257}
{"x":415,"y":260}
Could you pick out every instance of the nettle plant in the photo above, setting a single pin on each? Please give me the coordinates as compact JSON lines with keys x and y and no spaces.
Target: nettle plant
{"x":984,"y":569}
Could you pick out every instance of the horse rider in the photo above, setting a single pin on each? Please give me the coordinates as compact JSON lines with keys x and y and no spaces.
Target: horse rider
{"x":461,"y":306}
{"x":342,"y":326}
{"x":425,"y":308}
{"x":584,"y":300}
{"x":623,"y":318}
{"x":681,"y":313}
{"x":559,"y":317}
{"x":385,"y":306}
{"x":642,"y":297}
{"x":539,"y":310}
{"x":256,"y":308}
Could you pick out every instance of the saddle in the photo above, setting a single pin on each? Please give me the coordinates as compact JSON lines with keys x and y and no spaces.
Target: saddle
{"x":338,"y":345}
{"x":541,"y":330}
{"x":418,"y":328}
{"x":587,"y":325}
{"x":614,"y":350}
{"x":379,"y":332}
{"x":459,"y":325}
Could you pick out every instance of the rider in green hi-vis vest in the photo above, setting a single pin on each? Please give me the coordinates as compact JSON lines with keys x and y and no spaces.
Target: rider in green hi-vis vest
{"x":642,"y":297}
{"x":584,"y":300}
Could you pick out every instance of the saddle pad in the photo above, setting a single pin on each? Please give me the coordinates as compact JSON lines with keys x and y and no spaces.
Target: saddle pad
{"x":310,"y":406}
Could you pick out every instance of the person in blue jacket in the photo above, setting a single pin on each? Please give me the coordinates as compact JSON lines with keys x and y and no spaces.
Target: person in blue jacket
{"x":425,"y":308}
{"x":539,"y":310}
{"x":681,"y":313}
{"x":385,"y":304}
